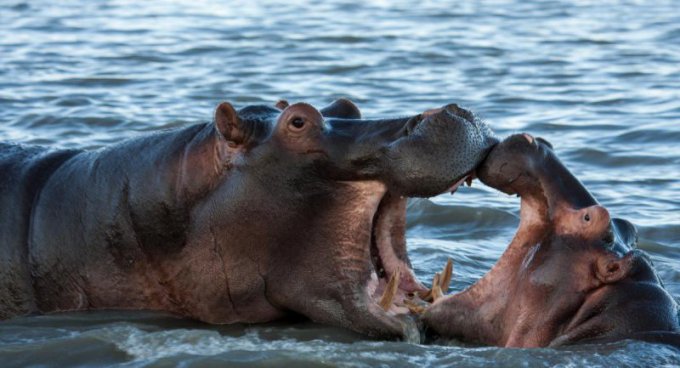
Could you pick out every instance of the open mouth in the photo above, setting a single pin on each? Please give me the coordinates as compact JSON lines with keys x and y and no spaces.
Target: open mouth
{"x":392,"y":279}
{"x":552,"y":202}
{"x":393,"y":284}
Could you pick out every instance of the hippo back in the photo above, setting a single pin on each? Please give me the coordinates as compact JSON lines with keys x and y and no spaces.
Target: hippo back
{"x":24,"y":172}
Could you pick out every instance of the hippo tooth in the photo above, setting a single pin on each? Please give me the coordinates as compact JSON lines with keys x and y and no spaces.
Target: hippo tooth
{"x":436,"y":288}
{"x":413,"y":307}
{"x":390,"y":290}
{"x":445,"y":281}
{"x":428,"y":295}
{"x":436,"y":292}
{"x":455,"y":185}
{"x":425,"y":295}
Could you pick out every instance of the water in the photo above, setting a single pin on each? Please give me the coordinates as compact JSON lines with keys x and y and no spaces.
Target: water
{"x":600,"y":80}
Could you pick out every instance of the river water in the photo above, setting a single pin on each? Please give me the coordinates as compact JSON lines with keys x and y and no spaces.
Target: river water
{"x":600,"y":80}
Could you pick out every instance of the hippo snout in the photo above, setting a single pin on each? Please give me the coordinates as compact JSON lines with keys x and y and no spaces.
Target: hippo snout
{"x":444,"y":147}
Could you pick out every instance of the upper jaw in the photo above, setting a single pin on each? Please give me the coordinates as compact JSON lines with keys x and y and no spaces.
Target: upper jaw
{"x":445,"y":146}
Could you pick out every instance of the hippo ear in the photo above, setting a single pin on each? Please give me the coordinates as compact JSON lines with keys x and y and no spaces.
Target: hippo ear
{"x":228,"y":124}
{"x":544,"y":141}
{"x":281,"y":104}
{"x":610,"y":268}
{"x":341,"y":108}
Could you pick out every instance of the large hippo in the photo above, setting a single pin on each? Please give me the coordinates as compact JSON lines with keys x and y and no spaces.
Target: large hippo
{"x":571,"y":274}
{"x":265,"y":212}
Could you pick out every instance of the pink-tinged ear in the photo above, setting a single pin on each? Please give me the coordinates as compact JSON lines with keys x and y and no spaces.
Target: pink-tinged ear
{"x":228,"y":123}
{"x":281,"y":104}
{"x":610,"y":268}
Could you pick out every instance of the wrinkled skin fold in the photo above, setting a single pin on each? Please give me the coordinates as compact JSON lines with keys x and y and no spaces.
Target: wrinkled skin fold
{"x":570,"y":275}
{"x":264,"y":213}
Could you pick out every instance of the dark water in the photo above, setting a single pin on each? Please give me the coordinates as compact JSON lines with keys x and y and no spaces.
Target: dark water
{"x":600,"y":80}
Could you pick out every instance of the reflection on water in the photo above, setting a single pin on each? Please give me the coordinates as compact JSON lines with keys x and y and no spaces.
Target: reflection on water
{"x":597,"y":79}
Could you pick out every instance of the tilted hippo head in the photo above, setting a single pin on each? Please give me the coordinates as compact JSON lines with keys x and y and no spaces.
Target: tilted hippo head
{"x":570,"y":274}
{"x":309,"y":217}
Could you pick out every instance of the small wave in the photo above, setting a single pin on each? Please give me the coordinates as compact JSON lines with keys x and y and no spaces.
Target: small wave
{"x":671,"y":36}
{"x":646,"y":135}
{"x":342,"y":39}
{"x":93,"y":81}
{"x":612,"y":101}
{"x":594,"y":156}
{"x":552,"y":127}
{"x":32,"y":121}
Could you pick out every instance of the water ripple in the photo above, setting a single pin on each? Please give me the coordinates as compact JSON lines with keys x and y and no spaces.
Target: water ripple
{"x":597,"y":79}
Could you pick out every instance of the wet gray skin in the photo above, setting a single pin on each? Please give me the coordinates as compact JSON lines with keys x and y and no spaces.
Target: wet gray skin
{"x":571,"y":274}
{"x":265,"y":213}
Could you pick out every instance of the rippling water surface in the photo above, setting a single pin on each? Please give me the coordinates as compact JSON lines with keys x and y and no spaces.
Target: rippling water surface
{"x":600,"y":80}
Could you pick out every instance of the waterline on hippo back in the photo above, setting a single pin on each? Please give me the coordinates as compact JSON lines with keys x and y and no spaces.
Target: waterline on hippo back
{"x":570,"y":275}
{"x":267,"y":212}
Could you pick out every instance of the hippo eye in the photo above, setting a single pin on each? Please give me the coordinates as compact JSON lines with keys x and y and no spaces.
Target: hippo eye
{"x":297,"y":124}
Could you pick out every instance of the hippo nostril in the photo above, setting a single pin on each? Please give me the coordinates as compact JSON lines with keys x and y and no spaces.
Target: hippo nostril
{"x":586,"y":217}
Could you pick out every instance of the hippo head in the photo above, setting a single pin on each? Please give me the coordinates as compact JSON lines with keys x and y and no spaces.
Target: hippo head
{"x":570,"y":274}
{"x":309,"y":216}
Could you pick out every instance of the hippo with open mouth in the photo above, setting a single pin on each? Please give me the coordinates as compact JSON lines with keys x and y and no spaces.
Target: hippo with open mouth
{"x":266,"y":212}
{"x":570,"y":275}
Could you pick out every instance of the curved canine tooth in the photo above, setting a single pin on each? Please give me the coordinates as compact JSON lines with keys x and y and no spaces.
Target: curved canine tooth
{"x":436,"y":292}
{"x":435,"y":280}
{"x":440,"y":284}
{"x":427,"y":295}
{"x":445,"y":280}
{"x":390,"y":290}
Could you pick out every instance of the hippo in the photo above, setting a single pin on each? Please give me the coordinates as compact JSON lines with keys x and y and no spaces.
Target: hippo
{"x":266,"y":212}
{"x":572,"y":274}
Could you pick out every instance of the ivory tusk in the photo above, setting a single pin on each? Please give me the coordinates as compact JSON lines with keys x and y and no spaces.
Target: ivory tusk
{"x":436,"y":292}
{"x":445,"y":281}
{"x":390,"y":290}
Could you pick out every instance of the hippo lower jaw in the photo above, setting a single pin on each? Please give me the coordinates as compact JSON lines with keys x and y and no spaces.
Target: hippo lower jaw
{"x":393,"y":284}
